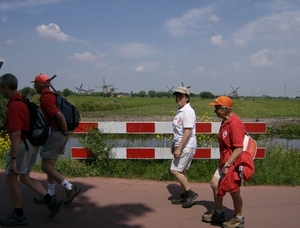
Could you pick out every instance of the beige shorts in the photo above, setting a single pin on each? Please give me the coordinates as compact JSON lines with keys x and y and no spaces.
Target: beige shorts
{"x":184,"y":161}
{"x":25,"y":159}
{"x":218,"y":174}
{"x":55,"y":145}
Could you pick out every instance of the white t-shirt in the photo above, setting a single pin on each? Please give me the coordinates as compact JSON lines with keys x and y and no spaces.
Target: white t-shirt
{"x":185,"y":118}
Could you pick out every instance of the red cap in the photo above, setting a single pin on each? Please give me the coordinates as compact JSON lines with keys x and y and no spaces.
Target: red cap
{"x":223,"y":101}
{"x":42,"y":79}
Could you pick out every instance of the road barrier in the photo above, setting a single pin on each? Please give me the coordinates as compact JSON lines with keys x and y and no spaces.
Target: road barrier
{"x":158,"y":128}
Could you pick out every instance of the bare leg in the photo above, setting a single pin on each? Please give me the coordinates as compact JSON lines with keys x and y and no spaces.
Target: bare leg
{"x":214,"y":184}
{"x":34,"y":184}
{"x":182,"y":178}
{"x":237,"y":203}
{"x":13,"y":189}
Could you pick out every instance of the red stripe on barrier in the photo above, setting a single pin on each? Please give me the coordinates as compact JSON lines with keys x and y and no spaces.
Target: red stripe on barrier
{"x":81,"y":152}
{"x":261,"y":153}
{"x":203,"y":127}
{"x":256,"y":127}
{"x":140,"y":127}
{"x":84,"y":127}
{"x":203,"y":153}
{"x":140,"y":153}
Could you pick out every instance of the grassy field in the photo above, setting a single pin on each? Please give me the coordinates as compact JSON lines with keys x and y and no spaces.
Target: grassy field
{"x":245,"y":108}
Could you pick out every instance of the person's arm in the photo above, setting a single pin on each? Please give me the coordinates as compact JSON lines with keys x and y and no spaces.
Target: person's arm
{"x":15,"y":142}
{"x":186,"y":135}
{"x":233,"y":157}
{"x":61,"y":121}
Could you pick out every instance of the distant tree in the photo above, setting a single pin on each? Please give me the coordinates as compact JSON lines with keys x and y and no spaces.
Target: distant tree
{"x":206,"y":94}
{"x":151,"y":93}
{"x":25,"y":91}
{"x":142,"y":93}
{"x":66,"y":92}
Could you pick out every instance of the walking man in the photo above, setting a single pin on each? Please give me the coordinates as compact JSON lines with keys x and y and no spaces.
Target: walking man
{"x":230,"y":137}
{"x":19,"y":160}
{"x":55,"y":146}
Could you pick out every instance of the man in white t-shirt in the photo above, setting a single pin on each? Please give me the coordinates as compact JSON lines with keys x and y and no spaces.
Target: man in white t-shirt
{"x":184,"y":145}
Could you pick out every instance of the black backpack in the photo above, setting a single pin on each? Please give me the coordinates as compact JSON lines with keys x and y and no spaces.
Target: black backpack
{"x":70,"y":112}
{"x":39,"y":130}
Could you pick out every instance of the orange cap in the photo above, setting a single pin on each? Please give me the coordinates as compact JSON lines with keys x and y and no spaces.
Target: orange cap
{"x":223,"y":101}
{"x":42,"y":79}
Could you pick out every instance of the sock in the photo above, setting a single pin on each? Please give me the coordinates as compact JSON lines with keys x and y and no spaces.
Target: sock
{"x":240,"y":217}
{"x":48,"y":198}
{"x":19,"y":211}
{"x":219,"y":211}
{"x":66,"y":184}
{"x":51,"y":189}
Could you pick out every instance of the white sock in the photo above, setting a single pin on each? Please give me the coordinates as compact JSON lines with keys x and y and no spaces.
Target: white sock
{"x":240,"y":217}
{"x":51,"y":189}
{"x":66,"y":184}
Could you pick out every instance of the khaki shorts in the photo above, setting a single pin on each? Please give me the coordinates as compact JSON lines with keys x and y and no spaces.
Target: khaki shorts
{"x":55,"y":145}
{"x":25,"y":159}
{"x":184,"y":161}
{"x":218,"y":174}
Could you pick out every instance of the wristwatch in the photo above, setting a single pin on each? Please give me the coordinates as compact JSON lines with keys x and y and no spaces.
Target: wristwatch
{"x":226,"y":166}
{"x":13,"y":157}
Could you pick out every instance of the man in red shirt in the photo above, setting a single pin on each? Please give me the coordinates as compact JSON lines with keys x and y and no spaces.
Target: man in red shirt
{"x":230,"y":137}
{"x":55,"y":145}
{"x":19,"y":161}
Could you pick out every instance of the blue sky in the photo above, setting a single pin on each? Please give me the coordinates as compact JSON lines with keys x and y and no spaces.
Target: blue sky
{"x":150,"y":44}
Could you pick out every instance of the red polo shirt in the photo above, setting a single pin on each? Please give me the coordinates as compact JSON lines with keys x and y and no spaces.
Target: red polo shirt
{"x":49,"y":108}
{"x":17,"y":115}
{"x":231,"y":136}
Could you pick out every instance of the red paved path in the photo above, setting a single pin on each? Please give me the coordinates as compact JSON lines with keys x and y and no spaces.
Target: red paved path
{"x":136,"y":204}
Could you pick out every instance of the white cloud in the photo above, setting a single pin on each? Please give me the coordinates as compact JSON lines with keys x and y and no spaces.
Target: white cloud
{"x":189,"y":21}
{"x":51,"y":31}
{"x":260,"y":59}
{"x":84,"y":56}
{"x":200,"y":69}
{"x":239,"y":67}
{"x":274,"y":26}
{"x":9,"y":42}
{"x":239,"y":42}
{"x":140,"y":69}
{"x":214,"y":18}
{"x":15,"y":5}
{"x":217,"y":40}
{"x":135,"y":50}
{"x":102,"y":65}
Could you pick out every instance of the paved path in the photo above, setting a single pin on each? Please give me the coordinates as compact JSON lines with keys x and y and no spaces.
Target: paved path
{"x":111,"y":203}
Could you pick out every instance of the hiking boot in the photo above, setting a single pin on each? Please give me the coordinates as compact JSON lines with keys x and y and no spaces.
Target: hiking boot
{"x":70,"y":194}
{"x":189,"y":200}
{"x":179,"y":200}
{"x":14,"y":220}
{"x":54,"y":206}
{"x":39,"y":199}
{"x":233,"y":223}
{"x":214,"y":218}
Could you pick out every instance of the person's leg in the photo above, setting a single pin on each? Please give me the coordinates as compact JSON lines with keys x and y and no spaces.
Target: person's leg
{"x":237,"y":203}
{"x":214,"y":184}
{"x":32,"y":183}
{"x":11,"y":182}
{"x":182,"y":179}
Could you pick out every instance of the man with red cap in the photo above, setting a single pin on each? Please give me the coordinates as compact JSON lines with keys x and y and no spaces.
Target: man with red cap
{"x":230,"y":137}
{"x":55,"y":145}
{"x":20,"y":160}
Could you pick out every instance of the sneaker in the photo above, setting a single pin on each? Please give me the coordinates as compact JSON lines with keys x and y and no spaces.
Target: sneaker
{"x":189,"y":200}
{"x":40,"y":199}
{"x":214,"y":217}
{"x":70,"y":194}
{"x":179,"y":200}
{"x":14,"y":220}
{"x":233,"y":223}
{"x":54,"y":206}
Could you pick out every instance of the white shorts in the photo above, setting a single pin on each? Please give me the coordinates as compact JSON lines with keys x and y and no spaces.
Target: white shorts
{"x":184,"y":161}
{"x":54,"y":146}
{"x":218,"y":174}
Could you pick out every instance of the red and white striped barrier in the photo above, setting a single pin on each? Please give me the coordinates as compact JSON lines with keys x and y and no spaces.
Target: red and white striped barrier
{"x":158,"y":128}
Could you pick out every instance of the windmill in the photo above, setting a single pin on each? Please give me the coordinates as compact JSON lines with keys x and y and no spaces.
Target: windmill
{"x":186,"y":86}
{"x":79,"y":89}
{"x":88,"y":91}
{"x":170,"y":90}
{"x":234,"y":92}
{"x":104,"y":87}
{"x":112,"y":90}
